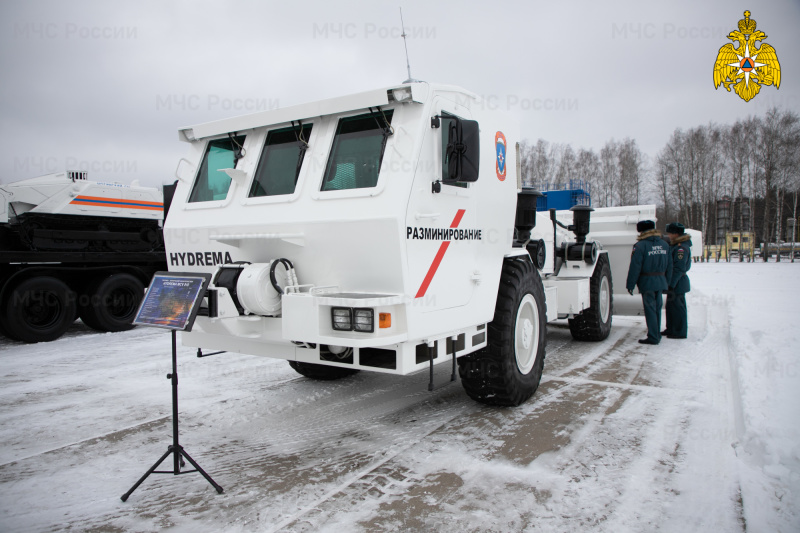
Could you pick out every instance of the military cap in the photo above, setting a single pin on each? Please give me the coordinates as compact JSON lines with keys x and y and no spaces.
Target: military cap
{"x":645,"y":225}
{"x":675,"y":228}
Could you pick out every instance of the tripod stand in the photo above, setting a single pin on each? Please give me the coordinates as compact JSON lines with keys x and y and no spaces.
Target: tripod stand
{"x":177,"y":451}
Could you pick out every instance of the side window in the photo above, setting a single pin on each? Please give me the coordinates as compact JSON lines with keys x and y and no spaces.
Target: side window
{"x":357,"y":152}
{"x":280,"y":162}
{"x":211,"y":184}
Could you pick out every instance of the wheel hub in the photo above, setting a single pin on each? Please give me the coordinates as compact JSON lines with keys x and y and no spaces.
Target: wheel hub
{"x":526,"y":334}
{"x":605,"y":300}
{"x":42,"y":310}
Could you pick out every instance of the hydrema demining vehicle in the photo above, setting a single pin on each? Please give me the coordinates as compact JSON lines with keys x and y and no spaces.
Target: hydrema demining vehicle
{"x":71,"y":247}
{"x":389,"y":231}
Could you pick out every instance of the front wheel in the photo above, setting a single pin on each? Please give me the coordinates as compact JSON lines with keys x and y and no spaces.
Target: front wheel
{"x":508,"y":371}
{"x":594,"y":323}
{"x":39,"y":309}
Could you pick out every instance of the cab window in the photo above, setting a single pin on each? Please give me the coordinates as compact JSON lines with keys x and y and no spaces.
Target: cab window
{"x":211,"y":184}
{"x":280,"y":162}
{"x":355,"y":158}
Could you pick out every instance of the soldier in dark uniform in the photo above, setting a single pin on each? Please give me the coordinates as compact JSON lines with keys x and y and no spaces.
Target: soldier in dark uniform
{"x":649,"y":264}
{"x":680,"y":251}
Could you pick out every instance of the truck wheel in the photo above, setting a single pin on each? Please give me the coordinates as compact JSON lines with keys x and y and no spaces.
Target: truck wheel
{"x":39,"y":309}
{"x":509,"y":369}
{"x":112,"y":303}
{"x":594,"y":323}
{"x":321,"y":372}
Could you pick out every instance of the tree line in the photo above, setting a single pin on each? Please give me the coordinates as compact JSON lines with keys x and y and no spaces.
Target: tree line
{"x":743,"y":176}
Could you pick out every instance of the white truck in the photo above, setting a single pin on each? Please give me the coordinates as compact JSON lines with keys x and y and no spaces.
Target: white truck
{"x":389,"y":231}
{"x":71,"y":247}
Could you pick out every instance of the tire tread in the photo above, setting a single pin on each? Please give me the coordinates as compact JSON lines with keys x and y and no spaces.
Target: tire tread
{"x":490,"y":375}
{"x":589,"y":326}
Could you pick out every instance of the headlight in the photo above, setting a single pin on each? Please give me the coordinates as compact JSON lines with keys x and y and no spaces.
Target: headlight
{"x":342,"y":318}
{"x":401,"y":94}
{"x":349,"y":319}
{"x":364,"y":320}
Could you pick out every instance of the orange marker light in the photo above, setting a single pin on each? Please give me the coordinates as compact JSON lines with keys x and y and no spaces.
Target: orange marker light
{"x":384,"y":320}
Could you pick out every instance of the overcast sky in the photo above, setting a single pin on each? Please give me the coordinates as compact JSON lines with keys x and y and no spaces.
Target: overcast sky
{"x":104,"y":85}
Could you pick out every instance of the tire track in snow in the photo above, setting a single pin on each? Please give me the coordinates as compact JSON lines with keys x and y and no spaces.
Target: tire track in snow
{"x":113,"y":436}
{"x":708,"y":432}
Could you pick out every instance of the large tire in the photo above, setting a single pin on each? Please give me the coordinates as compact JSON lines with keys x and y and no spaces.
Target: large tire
{"x":38,"y":309}
{"x":509,"y":369}
{"x":111,"y":304}
{"x":594,"y":323}
{"x":321,"y":372}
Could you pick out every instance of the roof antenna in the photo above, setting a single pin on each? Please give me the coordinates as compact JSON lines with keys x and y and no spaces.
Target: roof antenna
{"x":405,"y":44}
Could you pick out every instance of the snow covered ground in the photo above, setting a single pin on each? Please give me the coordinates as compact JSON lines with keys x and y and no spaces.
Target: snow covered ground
{"x":693,"y":435}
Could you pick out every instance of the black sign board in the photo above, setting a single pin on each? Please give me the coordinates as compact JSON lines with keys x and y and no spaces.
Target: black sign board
{"x":172,"y":300}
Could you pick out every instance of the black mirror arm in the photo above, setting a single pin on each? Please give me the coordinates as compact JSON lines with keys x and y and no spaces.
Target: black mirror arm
{"x":386,"y":127}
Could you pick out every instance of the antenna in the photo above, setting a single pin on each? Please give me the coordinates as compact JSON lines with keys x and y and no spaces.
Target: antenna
{"x":405,"y":44}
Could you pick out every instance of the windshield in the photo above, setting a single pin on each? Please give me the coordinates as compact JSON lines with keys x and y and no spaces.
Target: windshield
{"x":210,"y":183}
{"x":355,"y":159}
{"x":280,"y":162}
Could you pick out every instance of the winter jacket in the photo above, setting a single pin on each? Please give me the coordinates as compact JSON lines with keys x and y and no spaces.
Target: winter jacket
{"x":681,"y":253}
{"x":649,"y":263}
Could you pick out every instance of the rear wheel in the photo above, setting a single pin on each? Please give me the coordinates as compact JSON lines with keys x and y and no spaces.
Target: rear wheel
{"x":509,"y":369}
{"x":111,"y":304}
{"x":38,"y":309}
{"x":321,"y":372}
{"x":594,"y":323}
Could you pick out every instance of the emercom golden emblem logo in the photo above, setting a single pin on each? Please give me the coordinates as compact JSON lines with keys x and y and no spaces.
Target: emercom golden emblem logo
{"x":746,"y":67}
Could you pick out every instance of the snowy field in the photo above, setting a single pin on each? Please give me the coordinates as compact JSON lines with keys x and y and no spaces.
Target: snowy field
{"x":695,"y":435}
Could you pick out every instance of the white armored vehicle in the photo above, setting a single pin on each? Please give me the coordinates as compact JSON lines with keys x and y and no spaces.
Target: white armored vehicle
{"x":387,"y":231}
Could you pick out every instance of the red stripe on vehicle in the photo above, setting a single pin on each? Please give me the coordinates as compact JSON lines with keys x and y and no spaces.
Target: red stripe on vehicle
{"x":457,"y":219}
{"x":439,"y":256}
{"x":432,"y":270}
{"x":122,"y":200}
{"x":100,"y":201}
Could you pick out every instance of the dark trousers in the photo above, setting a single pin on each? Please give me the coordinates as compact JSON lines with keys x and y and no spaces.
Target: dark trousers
{"x":653,"y":301}
{"x":677,"y":322}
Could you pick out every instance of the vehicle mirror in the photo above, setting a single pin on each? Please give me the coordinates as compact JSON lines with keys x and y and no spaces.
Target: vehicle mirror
{"x":463,"y":151}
